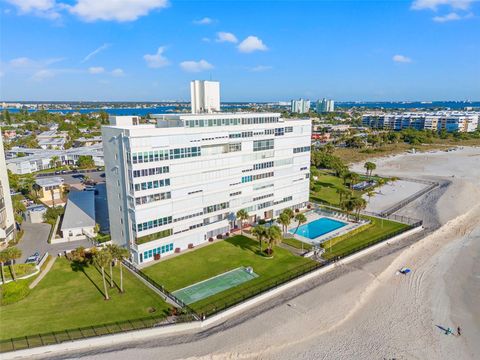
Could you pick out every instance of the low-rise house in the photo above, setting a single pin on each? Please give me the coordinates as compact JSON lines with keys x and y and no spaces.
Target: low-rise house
{"x":34,"y":214}
{"x":50,"y":191}
{"x":79,"y":218}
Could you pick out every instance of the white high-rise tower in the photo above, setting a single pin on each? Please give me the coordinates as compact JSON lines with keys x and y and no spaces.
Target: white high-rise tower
{"x":7,"y":221}
{"x":205,"y":96}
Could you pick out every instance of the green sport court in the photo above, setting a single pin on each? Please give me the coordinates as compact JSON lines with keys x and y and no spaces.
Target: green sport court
{"x":214,"y":285}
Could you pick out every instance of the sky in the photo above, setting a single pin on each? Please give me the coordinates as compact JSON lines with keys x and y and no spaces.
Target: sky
{"x":149,"y":50}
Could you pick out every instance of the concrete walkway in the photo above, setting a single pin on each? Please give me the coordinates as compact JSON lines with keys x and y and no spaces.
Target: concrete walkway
{"x":43,"y":273}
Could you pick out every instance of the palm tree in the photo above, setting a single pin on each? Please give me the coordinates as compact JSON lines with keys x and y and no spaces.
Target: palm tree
{"x":3,"y":260}
{"x":112,"y":250}
{"x":370,"y":194}
{"x":343,"y":194}
{"x":289,"y":212}
{"x":348,"y":206}
{"x":354,"y":178}
{"x":301,"y":219}
{"x":369,"y":166}
{"x":358,"y":205}
{"x":13,"y":253}
{"x":54,"y":161}
{"x":122,"y":254}
{"x":242,"y":215}
{"x":260,"y":232}
{"x":274,"y":237}
{"x":103,"y":259}
{"x":284,"y":220}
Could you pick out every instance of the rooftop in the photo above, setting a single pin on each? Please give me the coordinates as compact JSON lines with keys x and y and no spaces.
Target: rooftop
{"x":80,"y":210}
{"x":53,"y":181}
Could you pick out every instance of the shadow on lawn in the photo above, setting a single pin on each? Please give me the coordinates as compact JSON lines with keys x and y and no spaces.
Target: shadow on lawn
{"x":247,"y":244}
{"x":81,"y":266}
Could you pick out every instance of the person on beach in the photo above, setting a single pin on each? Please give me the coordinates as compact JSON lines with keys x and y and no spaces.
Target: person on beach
{"x":459,"y":331}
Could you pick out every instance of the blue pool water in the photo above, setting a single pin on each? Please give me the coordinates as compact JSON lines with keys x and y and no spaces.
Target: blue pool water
{"x":318,"y":228}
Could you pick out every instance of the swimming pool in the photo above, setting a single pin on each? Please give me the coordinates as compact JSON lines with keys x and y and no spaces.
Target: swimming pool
{"x":318,"y":228}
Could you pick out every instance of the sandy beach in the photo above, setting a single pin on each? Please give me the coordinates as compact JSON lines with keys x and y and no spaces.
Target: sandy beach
{"x":365,"y":310}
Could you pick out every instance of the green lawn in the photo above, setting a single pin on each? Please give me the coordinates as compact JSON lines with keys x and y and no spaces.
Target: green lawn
{"x":325,"y":188}
{"x":215,"y":259}
{"x":369,"y":233}
{"x":298,"y":244}
{"x":67,"y":299}
{"x":20,"y":270}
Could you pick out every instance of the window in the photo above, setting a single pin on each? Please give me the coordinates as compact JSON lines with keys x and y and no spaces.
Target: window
{"x":301,"y":149}
{"x":151,"y":171}
{"x":159,"y":250}
{"x":152,"y":184}
{"x":279,"y":131}
{"x":216,"y":207}
{"x":153,"y":224}
{"x":289,"y":129}
{"x":152,"y":198}
{"x":260,"y":145}
{"x":264,"y":165}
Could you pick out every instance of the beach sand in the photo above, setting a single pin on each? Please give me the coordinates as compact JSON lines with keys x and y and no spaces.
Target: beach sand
{"x":365,"y":310}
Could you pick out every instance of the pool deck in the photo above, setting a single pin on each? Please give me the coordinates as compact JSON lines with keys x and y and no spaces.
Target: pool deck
{"x":317,"y":214}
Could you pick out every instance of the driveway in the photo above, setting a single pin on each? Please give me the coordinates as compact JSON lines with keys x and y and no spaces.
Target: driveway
{"x":35,"y":239}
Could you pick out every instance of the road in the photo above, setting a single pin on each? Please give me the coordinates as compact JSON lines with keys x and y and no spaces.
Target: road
{"x":35,"y":239}
{"x":98,"y":176}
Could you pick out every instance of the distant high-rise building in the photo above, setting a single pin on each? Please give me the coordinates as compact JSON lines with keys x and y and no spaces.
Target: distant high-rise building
{"x":7,"y":221}
{"x":325,"y":105}
{"x":205,"y":96}
{"x":300,"y":106}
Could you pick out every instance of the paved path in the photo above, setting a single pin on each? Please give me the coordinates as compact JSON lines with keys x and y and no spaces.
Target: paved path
{"x":35,"y":239}
{"x":43,"y":273}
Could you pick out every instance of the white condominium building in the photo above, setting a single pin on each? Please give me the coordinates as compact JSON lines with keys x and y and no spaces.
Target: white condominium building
{"x":176,"y":184}
{"x":205,"y":96}
{"x":450,"y":121}
{"x":325,"y":105}
{"x":7,"y":220}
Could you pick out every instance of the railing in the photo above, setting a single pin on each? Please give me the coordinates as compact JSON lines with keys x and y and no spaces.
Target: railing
{"x":162,"y":289}
{"x":259,"y":288}
{"x":57,"y":337}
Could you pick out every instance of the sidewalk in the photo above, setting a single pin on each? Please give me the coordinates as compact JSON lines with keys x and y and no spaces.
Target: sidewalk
{"x":43,"y":273}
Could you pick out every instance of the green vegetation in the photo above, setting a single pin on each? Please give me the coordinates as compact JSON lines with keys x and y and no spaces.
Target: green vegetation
{"x":155,"y":236}
{"x":215,"y":259}
{"x":85,"y":162}
{"x":71,"y":297}
{"x":378,"y":230}
{"x":329,"y":189}
{"x":297,"y":244}
{"x":20,"y":271}
{"x":52,"y":213}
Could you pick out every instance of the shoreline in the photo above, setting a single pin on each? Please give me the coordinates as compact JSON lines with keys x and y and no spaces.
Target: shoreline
{"x":363,"y":310}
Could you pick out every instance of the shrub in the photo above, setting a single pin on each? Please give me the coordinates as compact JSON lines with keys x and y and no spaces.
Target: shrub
{"x":227,"y":234}
{"x":190,"y":246}
{"x":210,"y":239}
{"x":261,"y":222}
{"x":177,"y":250}
{"x":219,"y":236}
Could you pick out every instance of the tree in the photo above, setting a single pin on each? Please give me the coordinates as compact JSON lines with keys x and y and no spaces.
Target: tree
{"x":370,"y":194}
{"x":260,"y":232}
{"x":242,"y":215}
{"x":343,"y":194}
{"x":369,"y":166}
{"x":274,"y":237}
{"x":122,"y":254}
{"x":301,"y":219}
{"x":348,"y":206}
{"x":284,"y":220}
{"x":13,"y":254}
{"x":354,"y":178}
{"x":3,"y":260}
{"x":54,"y":161}
{"x":357,"y":204}
{"x":103,"y":259}
{"x":85,"y":162}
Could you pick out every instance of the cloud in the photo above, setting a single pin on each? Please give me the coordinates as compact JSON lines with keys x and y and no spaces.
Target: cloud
{"x":206,"y":39}
{"x":435,"y":4}
{"x":95,"y":52}
{"x":43,"y":74}
{"x":251,"y":44}
{"x":226,"y":37}
{"x":401,"y":59}
{"x":118,"y":72}
{"x":453,"y":16}
{"x":28,"y":63}
{"x":42,"y":8}
{"x":156,"y":60}
{"x":204,"y":21}
{"x":196,"y":66}
{"x":261,"y":68}
{"x":96,"y":70}
{"x":115,"y":10}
